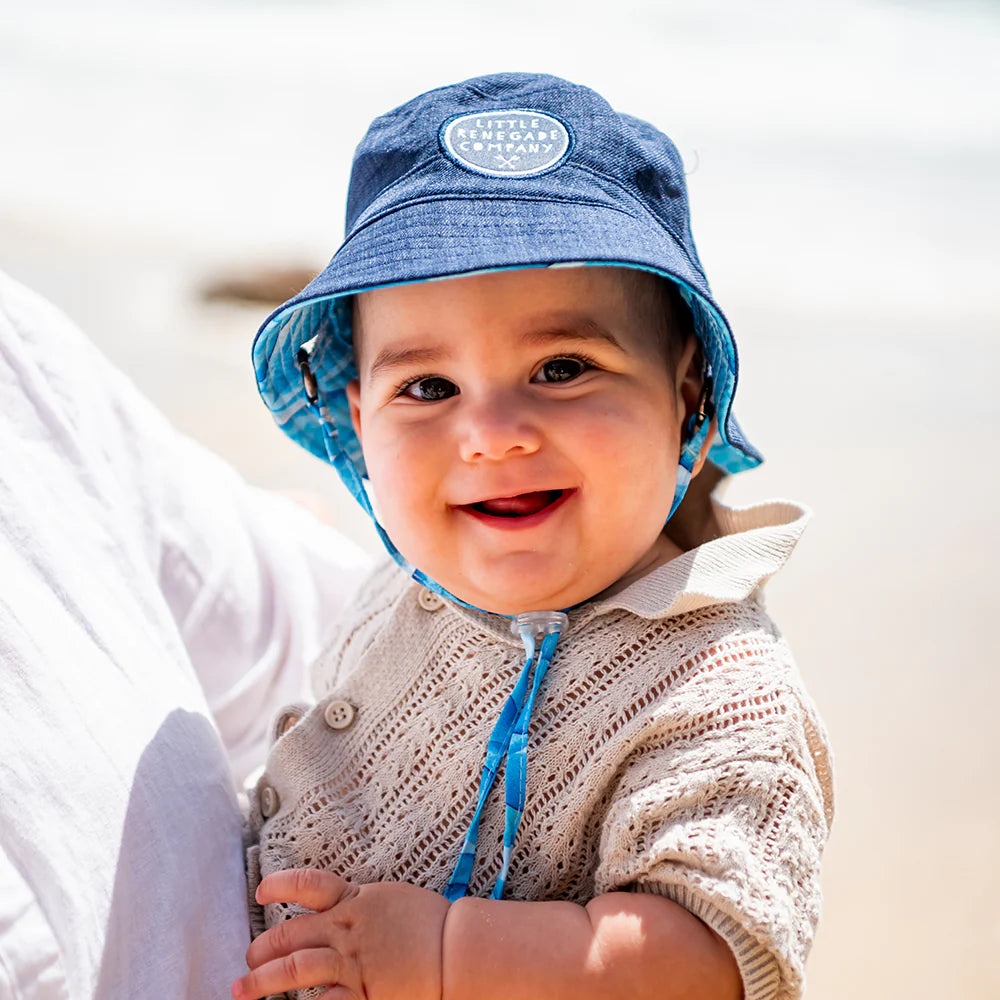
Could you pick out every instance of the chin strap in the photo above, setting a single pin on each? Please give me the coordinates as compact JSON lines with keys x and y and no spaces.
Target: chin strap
{"x":335,"y":455}
{"x":695,"y":433}
{"x":509,"y":740}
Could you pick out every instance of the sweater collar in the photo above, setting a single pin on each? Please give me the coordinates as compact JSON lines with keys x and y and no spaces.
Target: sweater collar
{"x":756,"y":541}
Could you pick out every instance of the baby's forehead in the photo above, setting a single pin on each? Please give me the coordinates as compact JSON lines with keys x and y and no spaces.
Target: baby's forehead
{"x":584,"y":297}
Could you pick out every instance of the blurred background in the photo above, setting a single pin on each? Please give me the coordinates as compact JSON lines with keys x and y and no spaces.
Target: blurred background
{"x":157,"y":160}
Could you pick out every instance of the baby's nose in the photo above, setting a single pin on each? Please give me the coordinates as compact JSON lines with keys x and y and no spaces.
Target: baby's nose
{"x":496,"y":431}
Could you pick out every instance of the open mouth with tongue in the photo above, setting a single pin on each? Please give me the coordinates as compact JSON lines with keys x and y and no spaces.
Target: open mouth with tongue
{"x":520,"y":509}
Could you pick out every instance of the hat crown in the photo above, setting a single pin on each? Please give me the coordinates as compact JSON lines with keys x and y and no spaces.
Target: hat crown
{"x":614,"y":156}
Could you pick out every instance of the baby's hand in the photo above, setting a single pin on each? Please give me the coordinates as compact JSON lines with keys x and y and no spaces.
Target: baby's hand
{"x":380,"y":941}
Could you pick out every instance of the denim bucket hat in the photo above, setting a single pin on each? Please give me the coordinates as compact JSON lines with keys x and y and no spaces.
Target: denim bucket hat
{"x":504,"y":171}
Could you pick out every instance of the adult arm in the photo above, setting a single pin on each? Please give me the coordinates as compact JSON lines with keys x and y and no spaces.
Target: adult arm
{"x":151,"y":605}
{"x":243,"y":584}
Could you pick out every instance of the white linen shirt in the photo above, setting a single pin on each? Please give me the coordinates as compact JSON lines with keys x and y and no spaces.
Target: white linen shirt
{"x":153,"y":610}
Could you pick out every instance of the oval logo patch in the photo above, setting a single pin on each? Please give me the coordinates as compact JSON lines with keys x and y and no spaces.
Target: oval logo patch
{"x":506,"y":143}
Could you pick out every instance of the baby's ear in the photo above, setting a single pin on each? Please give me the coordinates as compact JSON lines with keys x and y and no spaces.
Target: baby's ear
{"x":689,"y":375}
{"x":706,"y":447}
{"x":353,"y":390}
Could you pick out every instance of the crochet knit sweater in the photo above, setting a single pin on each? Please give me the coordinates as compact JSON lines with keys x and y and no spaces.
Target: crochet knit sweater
{"x":673,"y":749}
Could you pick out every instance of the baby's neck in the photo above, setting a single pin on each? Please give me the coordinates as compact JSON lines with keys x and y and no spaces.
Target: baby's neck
{"x":662,"y":551}
{"x":682,"y":537}
{"x":693,"y":525}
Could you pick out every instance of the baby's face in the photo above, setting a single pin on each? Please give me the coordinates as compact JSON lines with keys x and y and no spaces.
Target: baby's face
{"x":521,"y":430}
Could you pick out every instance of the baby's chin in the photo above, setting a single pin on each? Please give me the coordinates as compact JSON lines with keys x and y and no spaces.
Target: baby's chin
{"x":520,"y":587}
{"x":519,"y":599}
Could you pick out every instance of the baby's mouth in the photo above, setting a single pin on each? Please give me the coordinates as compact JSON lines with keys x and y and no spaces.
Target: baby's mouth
{"x":521,"y":505}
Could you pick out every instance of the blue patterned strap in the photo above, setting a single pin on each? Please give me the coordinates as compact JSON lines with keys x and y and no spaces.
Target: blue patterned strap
{"x":516,"y":777}
{"x":496,"y":749}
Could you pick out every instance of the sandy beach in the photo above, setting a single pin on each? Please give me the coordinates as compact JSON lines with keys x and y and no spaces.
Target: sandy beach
{"x":843,"y":164}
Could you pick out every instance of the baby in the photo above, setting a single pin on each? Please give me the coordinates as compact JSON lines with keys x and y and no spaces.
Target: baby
{"x":515,"y":364}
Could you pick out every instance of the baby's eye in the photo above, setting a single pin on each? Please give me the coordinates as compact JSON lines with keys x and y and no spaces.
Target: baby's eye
{"x":429,"y":389}
{"x":561,"y":370}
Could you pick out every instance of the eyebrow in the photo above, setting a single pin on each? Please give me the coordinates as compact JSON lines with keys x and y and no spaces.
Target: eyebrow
{"x":389,"y":358}
{"x":401,"y":357}
{"x":578,"y":329}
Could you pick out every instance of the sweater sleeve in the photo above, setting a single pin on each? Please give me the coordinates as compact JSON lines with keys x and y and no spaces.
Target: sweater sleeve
{"x":724,"y":804}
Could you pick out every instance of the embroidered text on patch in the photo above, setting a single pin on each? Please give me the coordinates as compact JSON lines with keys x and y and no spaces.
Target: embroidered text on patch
{"x":514,"y":142}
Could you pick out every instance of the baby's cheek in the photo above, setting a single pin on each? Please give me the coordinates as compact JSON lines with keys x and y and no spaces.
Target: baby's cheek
{"x":406,"y":514}
{"x":637,"y":443}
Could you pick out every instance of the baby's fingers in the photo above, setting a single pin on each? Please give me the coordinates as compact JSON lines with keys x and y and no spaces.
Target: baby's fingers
{"x":312,"y":930}
{"x":309,"y":887}
{"x":310,"y":967}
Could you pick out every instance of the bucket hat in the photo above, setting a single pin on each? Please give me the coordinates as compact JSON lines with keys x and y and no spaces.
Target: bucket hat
{"x":510,"y":170}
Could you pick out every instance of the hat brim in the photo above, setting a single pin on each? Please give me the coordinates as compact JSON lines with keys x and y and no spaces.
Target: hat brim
{"x":447,"y":237}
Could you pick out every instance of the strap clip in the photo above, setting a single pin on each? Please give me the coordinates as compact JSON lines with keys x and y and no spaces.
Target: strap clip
{"x":309,"y":383}
{"x":705,"y":409}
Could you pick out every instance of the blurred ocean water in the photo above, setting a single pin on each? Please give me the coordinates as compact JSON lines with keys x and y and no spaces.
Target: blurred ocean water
{"x":228,"y":127}
{"x":843,"y":160}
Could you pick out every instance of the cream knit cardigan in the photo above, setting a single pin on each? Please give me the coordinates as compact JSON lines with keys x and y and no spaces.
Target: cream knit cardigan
{"x":673,"y":750}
